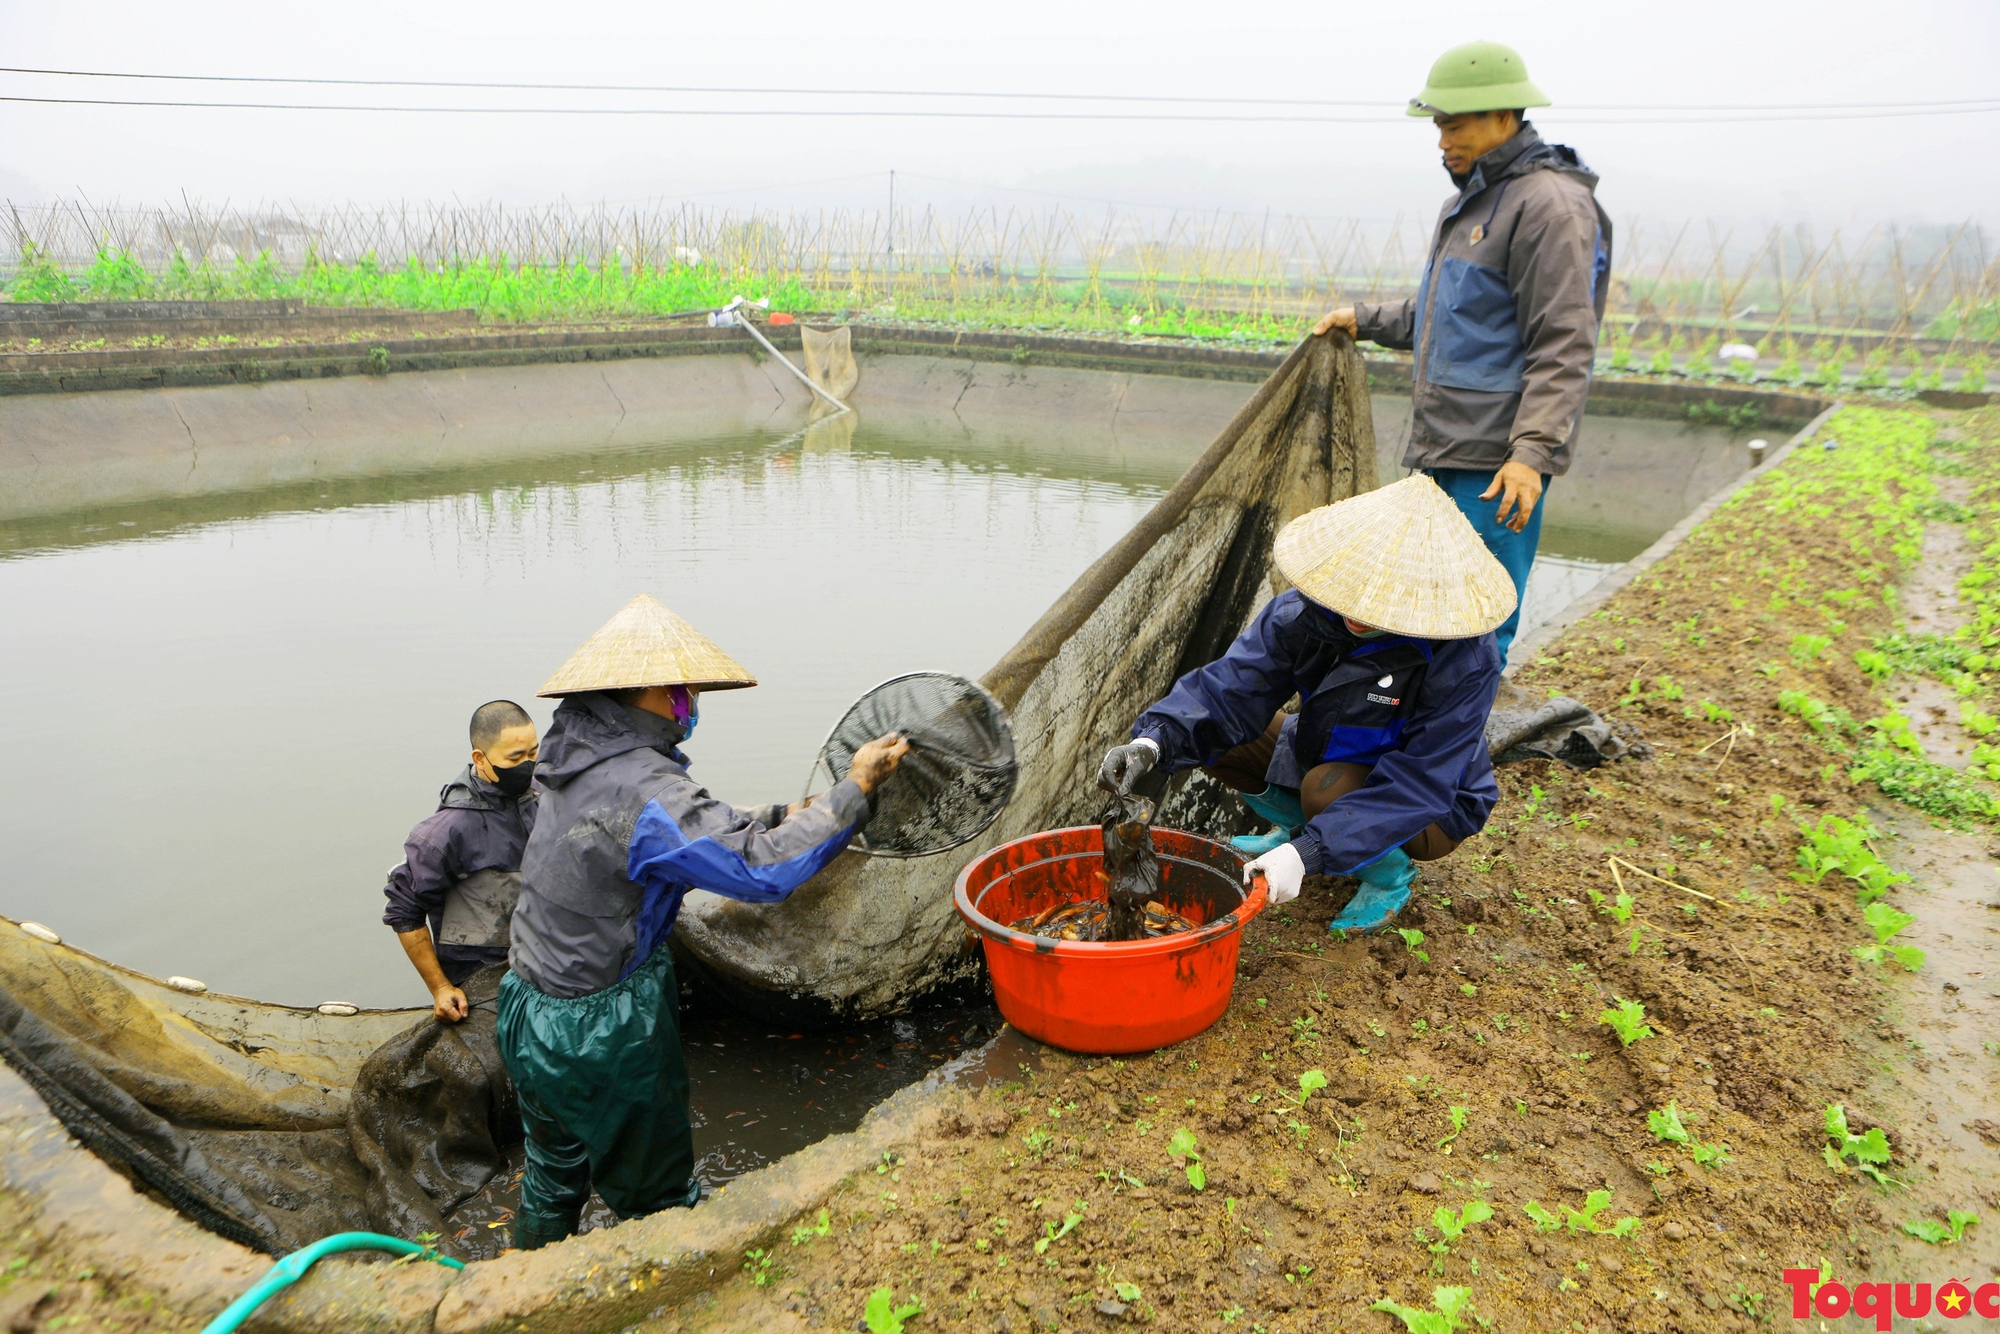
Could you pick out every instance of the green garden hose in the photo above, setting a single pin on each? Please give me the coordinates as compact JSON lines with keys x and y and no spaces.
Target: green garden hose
{"x":293,"y":1268}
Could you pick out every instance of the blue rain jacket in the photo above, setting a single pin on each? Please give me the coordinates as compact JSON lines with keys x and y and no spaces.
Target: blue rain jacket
{"x":1423,"y":732}
{"x":624,"y":833}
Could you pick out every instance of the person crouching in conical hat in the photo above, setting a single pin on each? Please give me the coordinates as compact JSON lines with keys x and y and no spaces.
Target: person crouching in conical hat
{"x":589,"y":1011}
{"x":1387,"y":639}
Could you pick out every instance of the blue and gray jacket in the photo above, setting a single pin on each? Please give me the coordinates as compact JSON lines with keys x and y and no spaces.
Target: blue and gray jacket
{"x":624,"y":833}
{"x":1414,"y":709}
{"x":1504,"y":323}
{"x":458,"y":872}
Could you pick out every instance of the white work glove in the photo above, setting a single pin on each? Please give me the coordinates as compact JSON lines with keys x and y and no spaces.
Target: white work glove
{"x":1284,"y":871}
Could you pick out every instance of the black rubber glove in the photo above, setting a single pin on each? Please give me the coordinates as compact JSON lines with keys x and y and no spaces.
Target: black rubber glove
{"x":1125,"y":765}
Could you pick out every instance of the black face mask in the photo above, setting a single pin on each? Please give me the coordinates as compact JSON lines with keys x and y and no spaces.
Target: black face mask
{"x":514,"y":782}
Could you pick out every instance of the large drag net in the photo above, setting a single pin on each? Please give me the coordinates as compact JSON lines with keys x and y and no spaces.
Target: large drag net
{"x":270,"y":1125}
{"x":869,"y":934}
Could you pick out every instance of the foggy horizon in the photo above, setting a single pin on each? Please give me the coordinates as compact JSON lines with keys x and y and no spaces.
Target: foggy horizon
{"x":1907,"y":169}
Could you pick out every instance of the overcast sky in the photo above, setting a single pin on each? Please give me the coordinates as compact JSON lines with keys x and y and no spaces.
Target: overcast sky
{"x":1919,"y":169}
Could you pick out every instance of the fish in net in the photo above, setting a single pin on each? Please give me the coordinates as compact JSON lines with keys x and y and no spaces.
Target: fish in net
{"x":959,"y":773}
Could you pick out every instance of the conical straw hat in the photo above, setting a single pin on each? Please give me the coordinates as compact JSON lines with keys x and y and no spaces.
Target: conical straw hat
{"x":646,"y":645}
{"x":1401,"y":559}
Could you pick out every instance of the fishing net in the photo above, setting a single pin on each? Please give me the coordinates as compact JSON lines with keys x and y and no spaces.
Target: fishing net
{"x":830,"y":359}
{"x":271,"y":1126}
{"x":957,"y":777}
{"x":867,"y":936}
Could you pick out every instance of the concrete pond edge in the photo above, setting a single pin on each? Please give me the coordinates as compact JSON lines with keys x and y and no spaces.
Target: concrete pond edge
{"x":107,"y":369}
{"x":599,"y":1281}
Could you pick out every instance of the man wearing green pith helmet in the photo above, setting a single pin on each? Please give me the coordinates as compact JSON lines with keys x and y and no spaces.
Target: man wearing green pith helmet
{"x":1504,"y":324}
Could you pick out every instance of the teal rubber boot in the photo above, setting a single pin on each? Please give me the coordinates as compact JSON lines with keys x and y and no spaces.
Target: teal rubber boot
{"x":1279,"y":805}
{"x":1385,"y":890}
{"x":1256,"y":845}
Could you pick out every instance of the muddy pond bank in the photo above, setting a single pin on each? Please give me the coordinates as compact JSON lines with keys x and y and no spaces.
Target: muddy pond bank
{"x":1472,"y":1065}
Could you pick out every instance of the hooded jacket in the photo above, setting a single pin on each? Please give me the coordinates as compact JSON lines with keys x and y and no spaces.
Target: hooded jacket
{"x":477,"y":828}
{"x":1504,"y":323}
{"x":624,"y":833}
{"x":1413,"y":709}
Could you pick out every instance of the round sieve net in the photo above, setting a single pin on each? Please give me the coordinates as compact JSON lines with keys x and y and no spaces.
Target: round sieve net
{"x":957,"y":778}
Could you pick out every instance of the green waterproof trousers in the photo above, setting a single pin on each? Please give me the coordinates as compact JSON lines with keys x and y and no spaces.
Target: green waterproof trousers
{"x":604,"y":1097}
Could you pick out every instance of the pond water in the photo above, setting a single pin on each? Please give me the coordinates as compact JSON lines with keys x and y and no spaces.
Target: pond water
{"x":230,"y":709}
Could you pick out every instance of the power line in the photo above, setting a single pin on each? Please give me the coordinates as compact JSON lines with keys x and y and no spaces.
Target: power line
{"x":687,"y":88}
{"x":730,"y":112}
{"x":933,"y":114}
{"x":1946,"y":106}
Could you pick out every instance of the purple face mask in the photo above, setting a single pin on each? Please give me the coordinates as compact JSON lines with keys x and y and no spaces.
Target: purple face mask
{"x":687,"y":708}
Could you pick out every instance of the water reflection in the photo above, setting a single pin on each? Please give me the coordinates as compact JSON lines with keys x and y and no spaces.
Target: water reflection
{"x":229,"y":724}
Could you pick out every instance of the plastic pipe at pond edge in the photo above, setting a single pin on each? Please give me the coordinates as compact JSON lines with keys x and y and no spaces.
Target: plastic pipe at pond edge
{"x":727,"y":315}
{"x":293,"y":1268}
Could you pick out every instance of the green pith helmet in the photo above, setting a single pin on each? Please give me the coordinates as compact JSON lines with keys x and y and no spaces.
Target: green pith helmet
{"x":1479,"y":76}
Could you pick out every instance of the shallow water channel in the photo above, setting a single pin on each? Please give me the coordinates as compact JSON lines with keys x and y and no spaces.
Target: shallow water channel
{"x":230,"y":705}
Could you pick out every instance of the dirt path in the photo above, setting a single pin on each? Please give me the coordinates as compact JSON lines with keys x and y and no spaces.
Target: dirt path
{"x":1472,"y":1069}
{"x":1938,"y":1054}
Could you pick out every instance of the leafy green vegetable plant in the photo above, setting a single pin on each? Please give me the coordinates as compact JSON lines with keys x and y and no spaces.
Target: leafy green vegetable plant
{"x":807,"y":1232}
{"x":1838,"y":844}
{"x":1581,"y":1221}
{"x":1941,"y":1234}
{"x":1628,"y":1020}
{"x":1619,"y":909}
{"x":1449,"y":1309}
{"x":1451,"y":1225}
{"x":1870,"y":1152}
{"x":1667,"y":1124}
{"x":1885,"y":922}
{"x":1184,"y":1149}
{"x":1311,"y":1082}
{"x":883,"y":1316}
{"x":1051,"y":1234}
{"x":1411,"y":939}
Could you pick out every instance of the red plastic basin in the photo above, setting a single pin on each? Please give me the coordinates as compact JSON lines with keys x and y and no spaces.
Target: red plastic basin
{"x":1117,"y":996}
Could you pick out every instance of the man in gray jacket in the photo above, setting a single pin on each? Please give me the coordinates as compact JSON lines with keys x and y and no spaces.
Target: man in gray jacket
{"x":1504,"y":323}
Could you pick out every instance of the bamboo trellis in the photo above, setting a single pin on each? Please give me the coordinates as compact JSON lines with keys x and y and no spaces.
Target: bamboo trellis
{"x":1889,"y":285}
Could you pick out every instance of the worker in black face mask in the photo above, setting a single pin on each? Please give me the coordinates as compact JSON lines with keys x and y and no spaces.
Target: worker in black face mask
{"x":451,"y":901}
